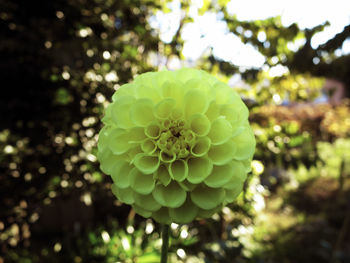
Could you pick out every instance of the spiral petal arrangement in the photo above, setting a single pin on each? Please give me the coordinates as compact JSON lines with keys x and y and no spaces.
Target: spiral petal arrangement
{"x":177,"y":145}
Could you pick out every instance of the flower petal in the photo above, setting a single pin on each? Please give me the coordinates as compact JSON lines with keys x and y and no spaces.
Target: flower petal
{"x":199,"y":124}
{"x":118,"y":141}
{"x":245,"y":143}
{"x":166,"y":158}
{"x":201,"y":147}
{"x":162,"y":216}
{"x":141,"y":211}
{"x":152,"y":131}
{"x":178,"y":170}
{"x":198,"y":169}
{"x":163,"y":175}
{"x":137,"y":134}
{"x":125,"y":195}
{"x":195,"y":101}
{"x":173,"y":90}
{"x":220,"y":131}
{"x":238,"y":177}
{"x":146,"y":164}
{"x":232,"y":194}
{"x":220,"y":175}
{"x":205,"y":213}
{"x":141,"y":183}
{"x":213,"y":111}
{"x":171,"y":196}
{"x":120,"y":174}
{"x":147,"y":202}
{"x":148,"y":146}
{"x":223,"y":153}
{"x":222,"y":93}
{"x":187,"y":186}
{"x":207,"y":198}
{"x":141,"y":112}
{"x":120,"y":111}
{"x":109,"y":160}
{"x":185,"y":213}
{"x":164,"y":108}
{"x":146,"y":91}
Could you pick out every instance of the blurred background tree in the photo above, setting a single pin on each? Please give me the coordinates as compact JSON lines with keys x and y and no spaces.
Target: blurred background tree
{"x":60,"y":63}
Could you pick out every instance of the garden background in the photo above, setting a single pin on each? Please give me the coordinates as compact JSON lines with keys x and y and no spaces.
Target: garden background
{"x":62,"y":60}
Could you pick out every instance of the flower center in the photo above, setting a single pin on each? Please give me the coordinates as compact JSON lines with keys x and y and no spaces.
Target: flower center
{"x":175,"y":139}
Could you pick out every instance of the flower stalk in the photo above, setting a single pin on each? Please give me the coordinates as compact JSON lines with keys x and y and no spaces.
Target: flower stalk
{"x":165,"y":243}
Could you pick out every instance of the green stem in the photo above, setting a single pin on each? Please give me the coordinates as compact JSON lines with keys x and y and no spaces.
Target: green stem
{"x":165,"y":243}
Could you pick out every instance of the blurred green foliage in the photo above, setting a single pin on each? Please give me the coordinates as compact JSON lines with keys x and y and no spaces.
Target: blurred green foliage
{"x":60,"y":63}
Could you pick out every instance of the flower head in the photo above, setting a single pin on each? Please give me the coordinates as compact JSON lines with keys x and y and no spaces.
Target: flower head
{"x":177,"y":145}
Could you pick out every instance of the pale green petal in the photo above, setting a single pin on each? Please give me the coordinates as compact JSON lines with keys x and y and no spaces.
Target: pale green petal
{"x":207,"y":198}
{"x":220,"y":131}
{"x":247,"y":165}
{"x":164,"y":77}
{"x":141,"y":183}
{"x":162,"y":216}
{"x":173,"y":90}
{"x":125,"y":195}
{"x":137,"y":134}
{"x":220,"y":175}
{"x":195,"y":101}
{"x":213,"y":111}
{"x":118,"y":141}
{"x":245,"y":143}
{"x":142,"y":91}
{"x":235,"y":113}
{"x":238,"y":177}
{"x":185,"y":213}
{"x":199,"y":124}
{"x":223,"y":153}
{"x":107,"y":119}
{"x":178,"y":170}
{"x":146,"y":164}
{"x":190,"y":137}
{"x":103,"y":138}
{"x":203,"y":213}
{"x":232,"y":194}
{"x":109,"y":160}
{"x":177,"y":114}
{"x":147,"y":79}
{"x":141,"y":112}
{"x":198,"y":169}
{"x":147,"y":202}
{"x":198,"y":83}
{"x":171,"y":196}
{"x":163,"y":175}
{"x":120,"y":111}
{"x":201,"y":147}
{"x":148,"y":146}
{"x":120,"y":174}
{"x":222,"y":93}
{"x":164,"y":108}
{"x":141,"y":211}
{"x":166,"y":158}
{"x":187,"y":186}
{"x":131,"y":154}
{"x":152,"y":131}
{"x":186,"y":74}
{"x":124,"y":90}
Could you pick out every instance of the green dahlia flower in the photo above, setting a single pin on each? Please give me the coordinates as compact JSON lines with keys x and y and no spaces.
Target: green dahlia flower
{"x":177,"y":145}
